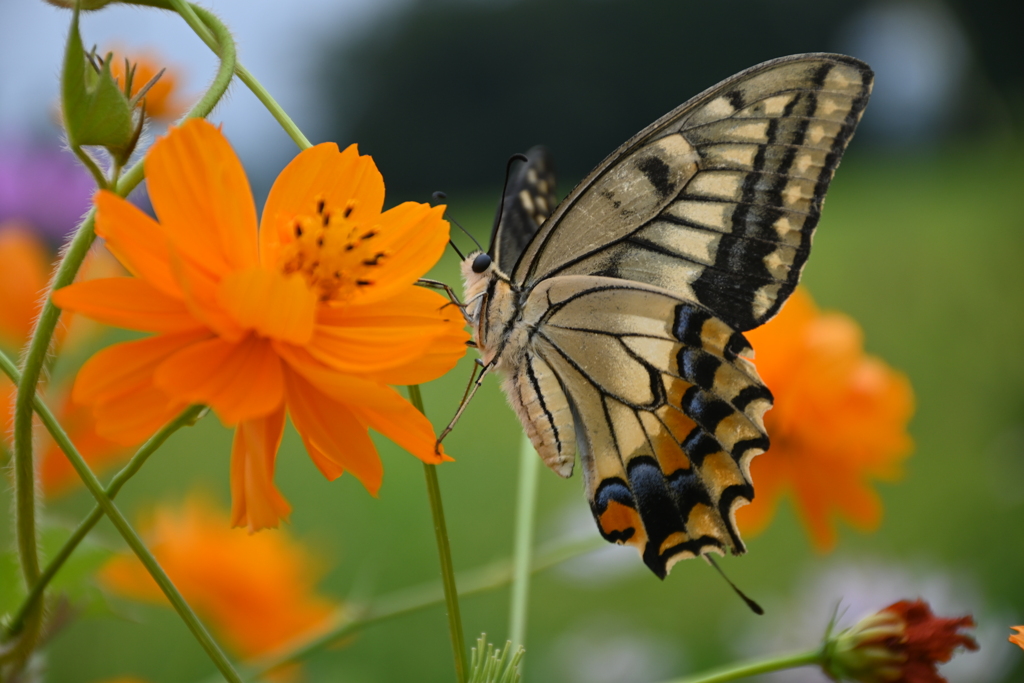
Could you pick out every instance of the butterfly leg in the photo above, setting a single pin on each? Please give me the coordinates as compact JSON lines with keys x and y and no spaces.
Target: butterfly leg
{"x":437,"y":284}
{"x":474,"y":384}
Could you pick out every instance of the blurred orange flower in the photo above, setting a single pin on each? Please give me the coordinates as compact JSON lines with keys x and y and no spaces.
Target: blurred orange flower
{"x":257,"y":592}
{"x":1018,"y":637}
{"x":839,"y":421}
{"x":24,"y":273}
{"x":317,"y":316}
{"x":161,"y":99}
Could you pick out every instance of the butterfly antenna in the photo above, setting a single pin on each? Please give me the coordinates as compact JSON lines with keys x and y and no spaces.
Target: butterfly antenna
{"x":440,"y":197}
{"x":754,"y":607}
{"x":508,"y":172}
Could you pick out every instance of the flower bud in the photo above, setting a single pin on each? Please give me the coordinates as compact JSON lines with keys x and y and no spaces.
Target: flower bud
{"x":902,"y":643}
{"x":95,"y":110}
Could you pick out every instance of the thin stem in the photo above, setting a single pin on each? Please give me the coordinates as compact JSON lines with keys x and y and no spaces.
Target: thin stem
{"x":91,"y":165}
{"x":451,"y":595}
{"x":755,"y":667}
{"x":526,"y":505}
{"x":198,"y":19}
{"x":35,"y":360}
{"x":410,"y":600}
{"x":187,"y":417}
{"x":199,"y":631}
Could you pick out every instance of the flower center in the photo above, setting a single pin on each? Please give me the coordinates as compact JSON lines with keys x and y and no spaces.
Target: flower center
{"x":335,"y":254}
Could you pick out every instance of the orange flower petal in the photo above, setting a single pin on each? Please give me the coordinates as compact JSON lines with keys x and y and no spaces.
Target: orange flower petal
{"x":128,"y":365}
{"x":137,"y":241}
{"x":240,"y":381}
{"x":127,"y":302}
{"x":131,"y":417}
{"x":320,"y":172}
{"x":255,"y":501}
{"x":24,"y":268}
{"x":202,"y":198}
{"x":271,"y":303}
{"x":338,"y":386}
{"x":340,"y":441}
{"x":413,"y":236}
{"x":407,"y":427}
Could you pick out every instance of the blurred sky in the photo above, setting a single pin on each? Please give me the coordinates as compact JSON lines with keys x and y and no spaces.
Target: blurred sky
{"x":277,"y":41}
{"x":916,"y":48}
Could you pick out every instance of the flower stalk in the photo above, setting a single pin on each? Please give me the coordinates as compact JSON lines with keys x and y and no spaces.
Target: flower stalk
{"x":526,"y":505}
{"x":735,"y":672}
{"x":444,"y":550}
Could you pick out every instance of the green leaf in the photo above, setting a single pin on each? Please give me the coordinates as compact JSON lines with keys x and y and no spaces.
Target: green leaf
{"x":95,"y":110}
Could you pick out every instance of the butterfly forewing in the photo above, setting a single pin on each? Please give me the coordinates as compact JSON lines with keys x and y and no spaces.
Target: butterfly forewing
{"x":719,"y":199}
{"x":529,"y":200}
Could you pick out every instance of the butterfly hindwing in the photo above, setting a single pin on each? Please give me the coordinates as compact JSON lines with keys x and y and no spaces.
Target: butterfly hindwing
{"x":667,"y":414}
{"x":529,"y":200}
{"x":718,"y":200}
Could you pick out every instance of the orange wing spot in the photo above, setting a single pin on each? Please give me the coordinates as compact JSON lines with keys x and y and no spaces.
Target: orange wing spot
{"x":623,"y":519}
{"x":674,"y":389}
{"x":715,"y":334}
{"x":719,"y":471}
{"x":677,"y":422}
{"x":703,"y":522}
{"x":673,"y":539}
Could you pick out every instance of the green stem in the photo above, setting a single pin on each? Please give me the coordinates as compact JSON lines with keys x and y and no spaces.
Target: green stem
{"x":734,"y":672}
{"x":187,"y":417}
{"x":35,"y":360}
{"x":451,"y":595}
{"x":198,"y":19}
{"x":134,"y":542}
{"x":526,"y":505}
{"x":91,"y":166}
{"x":417,"y":598}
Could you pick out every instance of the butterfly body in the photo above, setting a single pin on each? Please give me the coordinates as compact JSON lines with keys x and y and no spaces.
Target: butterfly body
{"x":616,"y":318}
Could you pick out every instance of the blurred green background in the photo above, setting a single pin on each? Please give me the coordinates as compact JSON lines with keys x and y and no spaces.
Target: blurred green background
{"x":921,"y":241}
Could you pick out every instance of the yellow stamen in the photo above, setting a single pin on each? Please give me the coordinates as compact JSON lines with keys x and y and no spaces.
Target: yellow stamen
{"x":335,"y":254}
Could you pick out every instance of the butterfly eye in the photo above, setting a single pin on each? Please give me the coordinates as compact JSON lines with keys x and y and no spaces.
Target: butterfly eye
{"x":481,"y":263}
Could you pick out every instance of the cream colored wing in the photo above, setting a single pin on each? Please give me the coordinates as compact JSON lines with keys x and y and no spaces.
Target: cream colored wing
{"x":716,"y":201}
{"x":667,"y":414}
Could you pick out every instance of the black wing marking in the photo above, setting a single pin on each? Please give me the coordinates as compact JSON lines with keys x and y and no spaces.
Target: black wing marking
{"x":718,"y":200}
{"x":529,"y":200}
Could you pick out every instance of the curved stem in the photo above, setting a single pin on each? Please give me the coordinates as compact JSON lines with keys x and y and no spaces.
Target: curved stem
{"x":198,"y":20}
{"x":38,"y":348}
{"x":187,"y":417}
{"x":207,"y":642}
{"x":451,"y":594}
{"x":526,"y":505}
{"x":753,"y":668}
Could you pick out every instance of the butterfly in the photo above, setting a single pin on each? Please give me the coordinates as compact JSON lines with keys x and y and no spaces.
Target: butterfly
{"x":617,"y":316}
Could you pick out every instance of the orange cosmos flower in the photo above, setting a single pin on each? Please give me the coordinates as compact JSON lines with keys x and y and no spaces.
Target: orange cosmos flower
{"x":839,"y":421}
{"x":1018,"y":637}
{"x":316,"y":316}
{"x":258,"y":592}
{"x":24,"y":272}
{"x":161,"y":102}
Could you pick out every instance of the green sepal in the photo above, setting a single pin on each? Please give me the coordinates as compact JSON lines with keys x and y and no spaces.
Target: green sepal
{"x":95,"y":110}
